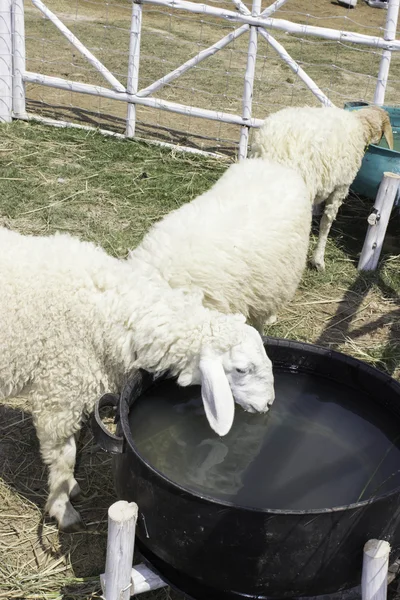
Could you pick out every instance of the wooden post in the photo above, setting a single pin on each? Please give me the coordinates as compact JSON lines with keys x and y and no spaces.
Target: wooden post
{"x":18,"y":49}
{"x":116,"y":581}
{"x":378,"y":221}
{"x":249,"y":83}
{"x":5,"y":62}
{"x":375,"y":570}
{"x":133,"y":66}
{"x":389,"y":35}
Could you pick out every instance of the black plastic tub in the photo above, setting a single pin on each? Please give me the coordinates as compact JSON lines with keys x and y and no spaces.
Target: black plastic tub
{"x":211,"y":549}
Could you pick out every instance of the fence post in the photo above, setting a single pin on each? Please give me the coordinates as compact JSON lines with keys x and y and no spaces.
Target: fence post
{"x":18,"y":52}
{"x":389,"y":34}
{"x":249,"y":81}
{"x":133,"y":66}
{"x":116,"y":581}
{"x":378,"y":221}
{"x":375,"y":570}
{"x":5,"y":62}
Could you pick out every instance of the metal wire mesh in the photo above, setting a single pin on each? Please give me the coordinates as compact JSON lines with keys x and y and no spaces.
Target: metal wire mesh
{"x":342,"y":70}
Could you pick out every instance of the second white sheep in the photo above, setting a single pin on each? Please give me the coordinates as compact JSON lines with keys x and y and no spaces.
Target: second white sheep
{"x":243,"y":243}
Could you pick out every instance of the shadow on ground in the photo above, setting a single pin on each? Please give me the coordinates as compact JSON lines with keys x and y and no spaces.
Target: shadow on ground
{"x":348,"y":233}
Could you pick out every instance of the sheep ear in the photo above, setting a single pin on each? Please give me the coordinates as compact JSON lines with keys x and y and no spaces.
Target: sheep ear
{"x":388,"y":133}
{"x":217,"y":397}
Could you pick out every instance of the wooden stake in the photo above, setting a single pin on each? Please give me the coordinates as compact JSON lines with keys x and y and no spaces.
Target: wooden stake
{"x":378,"y":221}
{"x":18,"y":50}
{"x":133,"y":66}
{"x":249,"y":84}
{"x":5,"y":62}
{"x":116,"y":581}
{"x":389,"y":34}
{"x":375,"y":570}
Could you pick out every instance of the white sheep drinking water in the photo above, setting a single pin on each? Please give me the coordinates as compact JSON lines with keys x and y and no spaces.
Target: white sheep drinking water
{"x":75,"y":322}
{"x":326,"y":146}
{"x":243,"y":243}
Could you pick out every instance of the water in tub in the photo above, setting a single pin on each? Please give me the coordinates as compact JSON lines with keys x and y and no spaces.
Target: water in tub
{"x":321,"y":445}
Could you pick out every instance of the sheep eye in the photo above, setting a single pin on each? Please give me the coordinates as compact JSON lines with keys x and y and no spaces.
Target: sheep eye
{"x":241,"y":371}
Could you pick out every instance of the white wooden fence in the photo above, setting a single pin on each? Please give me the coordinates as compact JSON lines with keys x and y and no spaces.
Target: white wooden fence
{"x":257,"y":23}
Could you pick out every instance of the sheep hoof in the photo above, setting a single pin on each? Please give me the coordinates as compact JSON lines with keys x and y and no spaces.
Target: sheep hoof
{"x":318,"y":264}
{"x":71,"y":522}
{"x":68,"y":519}
{"x":271,"y":320}
{"x":73,"y":527}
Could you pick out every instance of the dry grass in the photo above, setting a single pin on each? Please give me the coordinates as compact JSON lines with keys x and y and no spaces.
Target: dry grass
{"x":111,"y":191}
{"x":103,"y":189}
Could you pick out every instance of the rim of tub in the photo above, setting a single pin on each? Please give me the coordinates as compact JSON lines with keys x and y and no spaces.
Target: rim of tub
{"x":142,"y":381}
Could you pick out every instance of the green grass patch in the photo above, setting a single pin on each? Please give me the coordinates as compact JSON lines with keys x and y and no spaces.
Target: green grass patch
{"x":103,"y":189}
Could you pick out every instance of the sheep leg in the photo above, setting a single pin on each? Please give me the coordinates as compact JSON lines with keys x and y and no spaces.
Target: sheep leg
{"x":332,"y":206}
{"x":60,"y":456}
{"x":73,"y":486}
{"x":260,"y":322}
{"x":257,"y":323}
{"x":74,"y":489}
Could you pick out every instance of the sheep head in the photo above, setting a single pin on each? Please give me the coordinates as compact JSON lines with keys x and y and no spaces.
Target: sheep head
{"x":241,"y":373}
{"x":376,"y":122}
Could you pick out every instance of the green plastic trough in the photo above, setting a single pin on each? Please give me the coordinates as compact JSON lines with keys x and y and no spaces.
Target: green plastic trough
{"x":377,"y":159}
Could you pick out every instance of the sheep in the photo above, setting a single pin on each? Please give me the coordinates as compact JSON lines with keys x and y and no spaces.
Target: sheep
{"x":326,"y":146}
{"x":76,"y":322}
{"x":243,"y":243}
